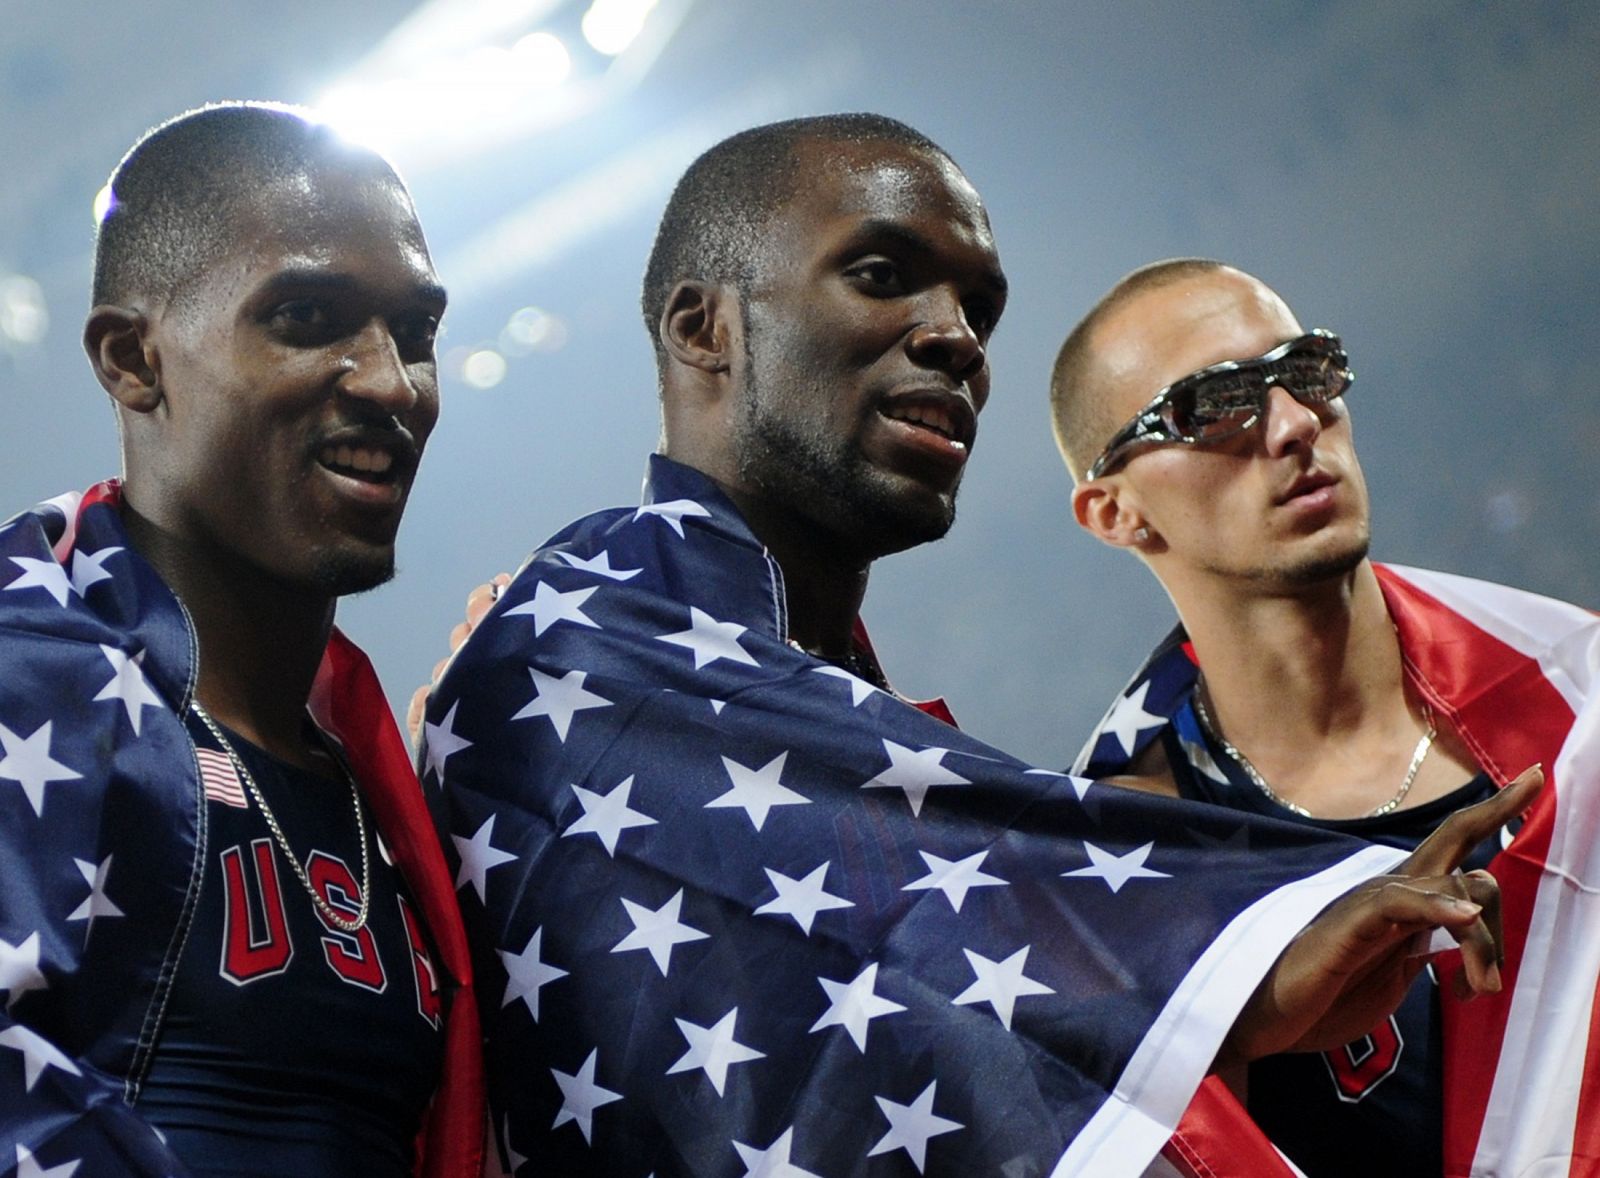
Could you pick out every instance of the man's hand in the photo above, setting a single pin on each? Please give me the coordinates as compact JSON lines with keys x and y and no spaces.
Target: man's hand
{"x":1351,"y":966}
{"x":479,"y":602}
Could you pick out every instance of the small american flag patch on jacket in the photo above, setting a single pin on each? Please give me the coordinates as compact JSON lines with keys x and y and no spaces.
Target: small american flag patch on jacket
{"x":221,"y":779}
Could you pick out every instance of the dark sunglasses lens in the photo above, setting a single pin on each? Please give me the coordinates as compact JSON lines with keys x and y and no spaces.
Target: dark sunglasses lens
{"x":1312,"y":377}
{"x":1216,"y":406}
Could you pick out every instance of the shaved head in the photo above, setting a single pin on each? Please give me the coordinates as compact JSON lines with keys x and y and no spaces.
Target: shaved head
{"x":712,"y":228}
{"x":176,"y":196}
{"x":1083,"y":416}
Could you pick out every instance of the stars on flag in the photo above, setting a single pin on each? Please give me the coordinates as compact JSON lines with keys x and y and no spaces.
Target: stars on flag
{"x":860,"y":689}
{"x":526,"y":975}
{"x":550,"y":605}
{"x":1128,"y":718}
{"x":853,"y":1005}
{"x":27,"y":1167}
{"x":713,"y":1049}
{"x":28,"y":762}
{"x":673,"y":512}
{"x":1116,"y":869}
{"x":658,"y":930}
{"x":915,"y":771}
{"x":710,"y":640}
{"x":19,"y":968}
{"x":581,"y":1096}
{"x":1000,"y":983}
{"x":478,"y":857}
{"x":514,"y":1160}
{"x":41,"y":574}
{"x":772,"y":1162}
{"x":560,"y":699}
{"x":54,"y":579}
{"x":607,"y":815}
{"x":440,"y":743}
{"x":98,"y":903}
{"x":1080,"y":785}
{"x":128,"y":686}
{"x":911,"y":1126}
{"x":757,"y":791}
{"x":954,"y":877}
{"x":88,"y":568}
{"x":599,"y":565}
{"x":37,"y":1054}
{"x":801,"y":898}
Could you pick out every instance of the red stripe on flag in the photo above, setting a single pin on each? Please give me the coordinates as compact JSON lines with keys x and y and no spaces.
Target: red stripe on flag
{"x":1511,"y":716}
{"x":220,"y":779}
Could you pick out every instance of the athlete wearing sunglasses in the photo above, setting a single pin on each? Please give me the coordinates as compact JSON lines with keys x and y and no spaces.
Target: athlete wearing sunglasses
{"x":1311,"y":685}
{"x":1224,"y":399}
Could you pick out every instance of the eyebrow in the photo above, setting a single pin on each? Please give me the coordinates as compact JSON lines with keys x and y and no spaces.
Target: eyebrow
{"x":910,"y":241}
{"x":299,"y":278}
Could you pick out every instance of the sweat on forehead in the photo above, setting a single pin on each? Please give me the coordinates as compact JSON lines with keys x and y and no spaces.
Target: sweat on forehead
{"x":711,"y":228}
{"x":177,"y":194}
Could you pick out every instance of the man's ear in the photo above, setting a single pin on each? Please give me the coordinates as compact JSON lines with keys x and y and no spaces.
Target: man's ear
{"x":1109,"y":510}
{"x":114,"y":338}
{"x":697,"y":325}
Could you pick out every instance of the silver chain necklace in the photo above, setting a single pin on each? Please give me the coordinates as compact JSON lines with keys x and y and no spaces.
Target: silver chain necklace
{"x":342,"y":923}
{"x":1250,"y":771}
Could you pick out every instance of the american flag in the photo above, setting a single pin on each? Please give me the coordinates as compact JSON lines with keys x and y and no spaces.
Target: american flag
{"x":1515,"y":675}
{"x":739,"y":912}
{"x":220,"y":778}
{"x":100,"y":813}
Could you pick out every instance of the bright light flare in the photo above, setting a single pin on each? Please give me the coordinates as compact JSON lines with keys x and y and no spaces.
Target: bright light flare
{"x":102,"y":203}
{"x":544,"y":59}
{"x":530,"y":330}
{"x":23,"y":316}
{"x":610,"y":26}
{"x":444,"y":97}
{"x":484,"y":368}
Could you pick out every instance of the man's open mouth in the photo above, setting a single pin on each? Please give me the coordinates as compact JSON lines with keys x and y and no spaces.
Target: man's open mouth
{"x":370,"y":464}
{"x":927,"y":416}
{"x":947,"y":415}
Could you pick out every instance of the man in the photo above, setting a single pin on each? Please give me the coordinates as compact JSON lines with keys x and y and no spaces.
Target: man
{"x":744,"y":909}
{"x":1207,"y":432}
{"x":228,"y":943}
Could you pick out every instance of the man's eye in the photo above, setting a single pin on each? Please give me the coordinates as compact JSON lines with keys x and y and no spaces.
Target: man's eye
{"x":421,"y":330}
{"x":877,"y":272}
{"x":981,"y":316}
{"x":418,"y":333}
{"x":302,"y":315}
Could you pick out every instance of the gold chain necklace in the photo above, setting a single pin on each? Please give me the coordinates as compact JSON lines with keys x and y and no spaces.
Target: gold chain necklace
{"x":342,"y":923}
{"x":1250,"y":771}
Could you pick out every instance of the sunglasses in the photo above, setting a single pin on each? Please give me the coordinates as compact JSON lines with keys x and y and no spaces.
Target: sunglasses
{"x":1228,"y":398}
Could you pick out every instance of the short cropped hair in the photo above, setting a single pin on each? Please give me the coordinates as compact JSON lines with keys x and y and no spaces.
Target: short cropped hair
{"x":1083,"y":421}
{"x":711,"y":229}
{"x":175,"y":195}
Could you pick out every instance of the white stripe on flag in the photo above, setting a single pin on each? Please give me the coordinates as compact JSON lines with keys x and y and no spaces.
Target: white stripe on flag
{"x":220,"y":778}
{"x":1130,"y":1128}
{"x":1533,"y":1106}
{"x":1560,"y":637}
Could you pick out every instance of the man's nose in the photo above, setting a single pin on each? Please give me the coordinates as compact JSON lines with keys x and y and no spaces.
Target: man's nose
{"x":946,"y":341}
{"x":1288,"y":422}
{"x":375,"y":371}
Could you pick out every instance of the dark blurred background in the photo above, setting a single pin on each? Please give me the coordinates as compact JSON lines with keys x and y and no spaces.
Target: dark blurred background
{"x":1424,"y":179}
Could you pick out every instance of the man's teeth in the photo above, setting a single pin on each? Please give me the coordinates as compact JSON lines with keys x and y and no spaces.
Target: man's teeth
{"x":929,"y":416}
{"x":360,"y":458}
